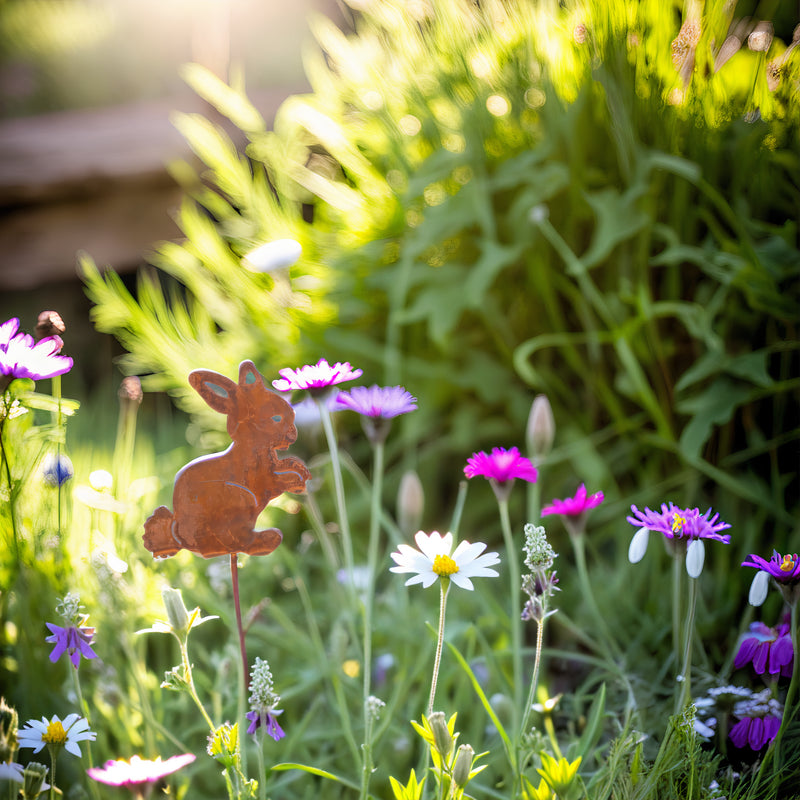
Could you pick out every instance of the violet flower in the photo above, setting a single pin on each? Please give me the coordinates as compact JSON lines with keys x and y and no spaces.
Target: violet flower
{"x":783,"y":569}
{"x":769,"y":649}
{"x":263,"y":702}
{"x":75,"y":640}
{"x":759,"y":721}
{"x":377,"y":405}
{"x":677,"y":524}
{"x":22,"y":357}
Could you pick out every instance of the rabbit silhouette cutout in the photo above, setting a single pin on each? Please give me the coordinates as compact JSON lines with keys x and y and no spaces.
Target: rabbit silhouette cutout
{"x":217,"y":498}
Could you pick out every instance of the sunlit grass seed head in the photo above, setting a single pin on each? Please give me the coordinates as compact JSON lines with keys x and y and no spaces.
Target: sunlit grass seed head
{"x":437,"y":560}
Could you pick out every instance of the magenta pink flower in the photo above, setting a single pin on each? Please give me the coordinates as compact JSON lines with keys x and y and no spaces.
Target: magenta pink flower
{"x":21,"y":357}
{"x":681,"y":523}
{"x":501,"y":466}
{"x":315,"y":377}
{"x":783,"y":569}
{"x":574,"y":506}
{"x":137,"y":771}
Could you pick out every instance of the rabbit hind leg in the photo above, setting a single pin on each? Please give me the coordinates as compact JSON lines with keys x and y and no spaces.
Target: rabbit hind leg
{"x":263,"y":542}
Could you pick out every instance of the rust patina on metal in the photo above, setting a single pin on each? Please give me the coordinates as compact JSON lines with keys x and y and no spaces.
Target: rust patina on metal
{"x":217,"y":498}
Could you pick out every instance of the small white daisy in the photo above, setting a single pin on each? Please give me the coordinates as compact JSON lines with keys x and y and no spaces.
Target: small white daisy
{"x":435,"y":560}
{"x":64,"y":733}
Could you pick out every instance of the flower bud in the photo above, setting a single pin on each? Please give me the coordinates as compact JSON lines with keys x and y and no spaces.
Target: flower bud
{"x":442,"y":740}
{"x":541,"y":430}
{"x":9,"y":723}
{"x":130,"y":391}
{"x":57,"y":469}
{"x":34,"y":775}
{"x":761,"y":37}
{"x":177,"y":614}
{"x":410,"y":503}
{"x":49,"y":323}
{"x":463,"y":765}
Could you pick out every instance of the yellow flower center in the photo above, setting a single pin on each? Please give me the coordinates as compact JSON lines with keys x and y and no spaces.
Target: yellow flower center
{"x":55,"y":733}
{"x":788,"y":563}
{"x":444,"y":566}
{"x":677,"y":523}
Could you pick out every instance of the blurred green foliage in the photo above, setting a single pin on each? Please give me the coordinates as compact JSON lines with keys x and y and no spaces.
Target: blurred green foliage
{"x":505,"y":199}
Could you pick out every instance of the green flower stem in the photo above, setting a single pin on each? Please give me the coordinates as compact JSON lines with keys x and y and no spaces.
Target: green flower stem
{"x":53,"y":751}
{"x":367,"y":766}
{"x":344,"y":524}
{"x":685,"y":678}
{"x":534,"y":679}
{"x":455,"y":522}
{"x":677,"y":588}
{"x":187,"y":671}
{"x":611,"y":648}
{"x":515,"y":582}
{"x":788,"y":706}
{"x":534,"y":499}
{"x":445,"y":585}
{"x":245,"y":674}
{"x":55,"y":384}
{"x":262,"y":772}
{"x":7,"y":470}
{"x":84,"y":707}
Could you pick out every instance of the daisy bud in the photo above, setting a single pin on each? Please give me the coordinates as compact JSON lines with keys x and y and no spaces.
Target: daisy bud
{"x":34,"y":775}
{"x":761,"y":37}
{"x":177,"y":614}
{"x":759,"y":588}
{"x":463,"y":765}
{"x":442,"y":740}
{"x":638,"y":545}
{"x":695,"y":556}
{"x":410,"y":502}
{"x":541,"y":430}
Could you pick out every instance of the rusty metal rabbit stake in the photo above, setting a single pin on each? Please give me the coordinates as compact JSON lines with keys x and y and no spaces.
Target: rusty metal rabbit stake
{"x":217,"y":498}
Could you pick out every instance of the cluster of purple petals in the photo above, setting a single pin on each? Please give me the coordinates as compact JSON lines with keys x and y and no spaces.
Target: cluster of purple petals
{"x":681,"y":523}
{"x":784,"y":568}
{"x":769,"y":649}
{"x":756,"y":731}
{"x":22,"y":357}
{"x":75,"y":641}
{"x":378,"y":402}
{"x":315,"y":376}
{"x":266,"y":720}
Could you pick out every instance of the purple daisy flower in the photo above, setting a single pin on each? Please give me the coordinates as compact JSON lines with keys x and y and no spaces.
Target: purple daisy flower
{"x":378,"y":402}
{"x":758,"y":723}
{"x":676,"y":524}
{"x":22,"y":357}
{"x":783,"y":569}
{"x":574,"y":506}
{"x":315,"y":377}
{"x":138,"y":771}
{"x":74,"y":639}
{"x":769,"y":649}
{"x":502,"y":466}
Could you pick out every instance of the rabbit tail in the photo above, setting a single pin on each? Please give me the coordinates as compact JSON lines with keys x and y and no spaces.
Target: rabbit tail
{"x":158,"y":533}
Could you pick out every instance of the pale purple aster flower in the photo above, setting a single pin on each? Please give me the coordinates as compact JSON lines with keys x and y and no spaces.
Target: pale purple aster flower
{"x":502,"y":466}
{"x":75,"y":640}
{"x":138,"y":770}
{"x":783,"y":569}
{"x":22,"y":357}
{"x":315,"y":377}
{"x":574,"y":506}
{"x":758,"y":723}
{"x":677,"y":524}
{"x":769,"y":649}
{"x":379,"y":402}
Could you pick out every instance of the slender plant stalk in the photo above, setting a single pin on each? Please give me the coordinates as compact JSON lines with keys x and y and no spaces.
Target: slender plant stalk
{"x":534,"y":679}
{"x":366,"y":769}
{"x":52,"y":750}
{"x":245,"y":674}
{"x":262,"y":772}
{"x":788,"y":706}
{"x":515,"y":583}
{"x":84,"y":707}
{"x":187,"y":670}
{"x":7,"y":470}
{"x":677,"y":588}
{"x":445,"y":585}
{"x":55,"y":384}
{"x":685,"y":689}
{"x":344,"y":523}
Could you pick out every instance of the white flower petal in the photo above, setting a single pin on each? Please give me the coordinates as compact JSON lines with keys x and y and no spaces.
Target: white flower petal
{"x":638,"y":545}
{"x":759,"y":588}
{"x":462,"y":580}
{"x":72,"y":747}
{"x":466,"y":552}
{"x":435,"y":544}
{"x":695,"y":557}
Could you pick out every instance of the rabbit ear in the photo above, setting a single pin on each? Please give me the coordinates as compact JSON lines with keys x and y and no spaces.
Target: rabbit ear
{"x":248,"y":374}
{"x":217,"y":390}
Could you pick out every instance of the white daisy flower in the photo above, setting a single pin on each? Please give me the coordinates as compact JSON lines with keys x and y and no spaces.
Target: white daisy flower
{"x":435,"y":560}
{"x":64,"y":733}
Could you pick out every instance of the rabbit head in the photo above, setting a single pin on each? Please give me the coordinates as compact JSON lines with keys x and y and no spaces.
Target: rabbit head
{"x":254,"y":412}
